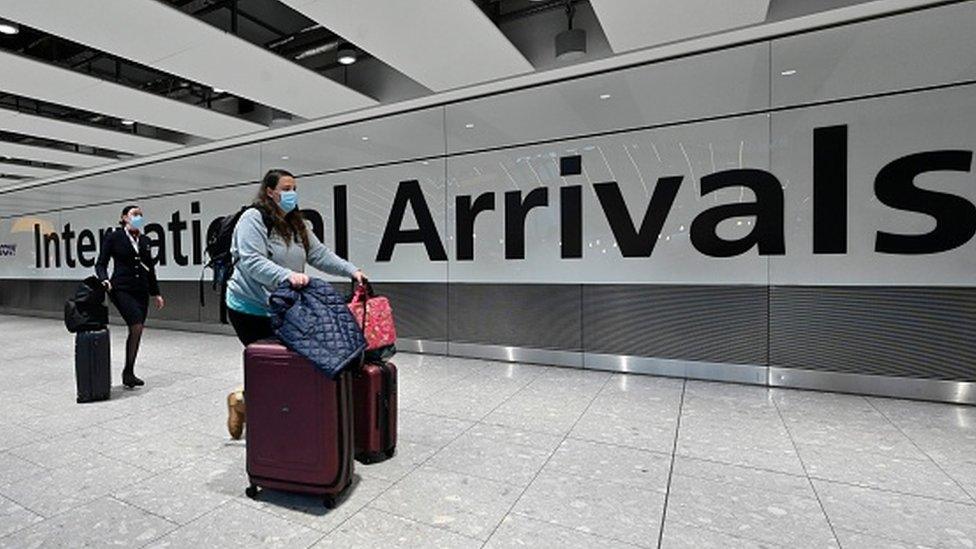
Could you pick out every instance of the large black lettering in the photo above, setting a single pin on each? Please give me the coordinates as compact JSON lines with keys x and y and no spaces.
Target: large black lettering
{"x":157,"y":242}
{"x":37,"y":246}
{"x":955,"y":217}
{"x":830,"y":190}
{"x":516,"y":209}
{"x":86,"y":245}
{"x":409,"y":194}
{"x":66,"y":236}
{"x":767,"y":234}
{"x":635,"y":242}
{"x":176,"y":227}
{"x":340,"y":221}
{"x":49,"y":239}
{"x":195,"y":234}
{"x":464,"y":224}
{"x":571,"y":222}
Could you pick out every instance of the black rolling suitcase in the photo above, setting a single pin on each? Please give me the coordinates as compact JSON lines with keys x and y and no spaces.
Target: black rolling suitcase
{"x":93,"y":365}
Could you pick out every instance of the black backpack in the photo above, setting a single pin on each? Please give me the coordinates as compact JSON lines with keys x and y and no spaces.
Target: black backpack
{"x":219,"y":257}
{"x":86,"y":311}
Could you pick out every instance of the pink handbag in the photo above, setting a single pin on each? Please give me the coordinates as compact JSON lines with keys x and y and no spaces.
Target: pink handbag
{"x":375,"y":316}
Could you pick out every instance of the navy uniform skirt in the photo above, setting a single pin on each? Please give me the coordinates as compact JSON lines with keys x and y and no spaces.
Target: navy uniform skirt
{"x":133,"y":305}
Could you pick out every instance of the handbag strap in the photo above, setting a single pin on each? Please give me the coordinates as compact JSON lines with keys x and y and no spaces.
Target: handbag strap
{"x":366,"y":293}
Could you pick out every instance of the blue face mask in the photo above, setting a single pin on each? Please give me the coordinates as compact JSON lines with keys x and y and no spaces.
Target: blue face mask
{"x":289,"y":199}
{"x":136,"y":222}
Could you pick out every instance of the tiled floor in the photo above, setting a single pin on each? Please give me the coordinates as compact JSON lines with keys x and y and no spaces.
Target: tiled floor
{"x":490,"y":455}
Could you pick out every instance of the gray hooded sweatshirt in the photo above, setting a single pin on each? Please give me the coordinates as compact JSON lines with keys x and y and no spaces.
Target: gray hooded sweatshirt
{"x":263,"y":262}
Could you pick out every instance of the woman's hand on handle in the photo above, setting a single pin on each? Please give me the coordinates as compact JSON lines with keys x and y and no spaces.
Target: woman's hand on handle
{"x":359,"y":277}
{"x":160,"y":302}
{"x":298,"y":280}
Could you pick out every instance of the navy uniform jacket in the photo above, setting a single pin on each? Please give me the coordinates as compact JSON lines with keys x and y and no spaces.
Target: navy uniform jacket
{"x":132,"y":272}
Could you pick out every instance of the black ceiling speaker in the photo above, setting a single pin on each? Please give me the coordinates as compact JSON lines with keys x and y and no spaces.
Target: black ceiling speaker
{"x":571,"y":43}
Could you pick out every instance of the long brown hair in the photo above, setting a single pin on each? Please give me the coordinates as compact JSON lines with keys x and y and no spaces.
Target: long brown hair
{"x":291,"y":227}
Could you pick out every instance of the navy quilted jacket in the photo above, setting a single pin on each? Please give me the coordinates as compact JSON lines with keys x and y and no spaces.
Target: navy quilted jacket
{"x":315,"y":322}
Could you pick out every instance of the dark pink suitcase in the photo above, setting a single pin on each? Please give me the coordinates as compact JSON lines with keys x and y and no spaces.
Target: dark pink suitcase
{"x":374,"y":390}
{"x":299,"y":424}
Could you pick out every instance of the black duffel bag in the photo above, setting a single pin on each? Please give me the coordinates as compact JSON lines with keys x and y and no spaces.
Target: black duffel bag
{"x":86,"y":311}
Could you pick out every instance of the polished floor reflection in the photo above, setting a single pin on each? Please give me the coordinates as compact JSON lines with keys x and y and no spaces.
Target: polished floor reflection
{"x":490,"y":455}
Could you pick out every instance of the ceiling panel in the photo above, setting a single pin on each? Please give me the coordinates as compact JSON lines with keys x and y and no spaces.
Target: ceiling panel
{"x":52,"y":156}
{"x":189,"y":48}
{"x":27,"y":171}
{"x":30,"y":78}
{"x":633,"y":24}
{"x":70,"y":132}
{"x":441,"y":44}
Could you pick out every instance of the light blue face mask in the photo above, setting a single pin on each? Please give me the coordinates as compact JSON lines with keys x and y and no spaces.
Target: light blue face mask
{"x":136,"y":222}
{"x":289,"y":199}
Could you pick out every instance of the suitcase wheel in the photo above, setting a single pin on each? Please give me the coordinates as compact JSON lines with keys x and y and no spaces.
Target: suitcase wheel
{"x":251,"y":491}
{"x":329,"y":502}
{"x":390,"y":452}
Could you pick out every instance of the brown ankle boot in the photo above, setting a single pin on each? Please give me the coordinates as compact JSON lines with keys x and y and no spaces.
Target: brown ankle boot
{"x":236,"y":415}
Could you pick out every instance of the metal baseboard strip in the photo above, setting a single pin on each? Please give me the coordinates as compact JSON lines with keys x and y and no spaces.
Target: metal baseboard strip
{"x":688,"y":369}
{"x":423,"y":346}
{"x":958,"y":392}
{"x":516,"y":354}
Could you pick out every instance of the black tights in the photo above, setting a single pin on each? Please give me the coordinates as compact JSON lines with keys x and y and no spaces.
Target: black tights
{"x":132,"y":348}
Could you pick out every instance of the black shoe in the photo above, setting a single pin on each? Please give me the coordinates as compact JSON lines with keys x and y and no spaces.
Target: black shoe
{"x":130,"y":381}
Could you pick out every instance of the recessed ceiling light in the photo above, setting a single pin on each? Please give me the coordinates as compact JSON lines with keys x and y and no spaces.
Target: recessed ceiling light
{"x":128,"y":122}
{"x":605,"y":96}
{"x":346,"y":54}
{"x":469,"y":126}
{"x":788,"y":72}
{"x":8,"y":28}
{"x":284,"y":158}
{"x":365,"y":138}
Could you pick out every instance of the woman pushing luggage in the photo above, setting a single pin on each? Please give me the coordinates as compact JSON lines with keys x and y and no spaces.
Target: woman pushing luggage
{"x":271,"y":244}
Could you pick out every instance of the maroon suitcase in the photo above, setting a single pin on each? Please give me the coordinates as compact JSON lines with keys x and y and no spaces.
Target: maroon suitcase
{"x":299,"y":424}
{"x":375,"y":402}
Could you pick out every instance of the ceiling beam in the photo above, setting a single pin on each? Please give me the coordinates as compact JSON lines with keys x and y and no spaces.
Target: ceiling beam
{"x":70,"y":132}
{"x":635,"y":24}
{"x":441,"y":44}
{"x":160,"y":36}
{"x":27,"y":171}
{"x":30,"y":78}
{"x":51,"y":156}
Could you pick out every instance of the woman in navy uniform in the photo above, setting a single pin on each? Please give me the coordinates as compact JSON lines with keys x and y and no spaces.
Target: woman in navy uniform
{"x":132,"y":283}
